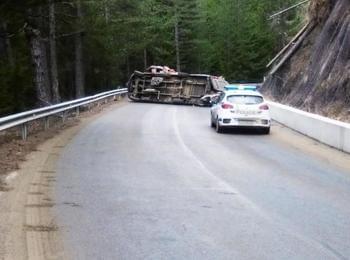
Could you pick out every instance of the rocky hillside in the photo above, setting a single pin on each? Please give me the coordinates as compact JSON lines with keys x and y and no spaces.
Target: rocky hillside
{"x":314,"y":72}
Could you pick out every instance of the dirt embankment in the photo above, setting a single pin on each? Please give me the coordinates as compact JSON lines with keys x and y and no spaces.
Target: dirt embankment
{"x":13,"y":150}
{"x":317,"y":76}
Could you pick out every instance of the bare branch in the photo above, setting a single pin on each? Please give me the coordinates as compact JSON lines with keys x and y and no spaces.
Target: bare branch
{"x":287,"y":9}
{"x":70,"y":34}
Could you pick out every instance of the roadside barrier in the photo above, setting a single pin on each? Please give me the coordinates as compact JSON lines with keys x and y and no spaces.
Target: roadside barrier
{"x":22,"y":119}
{"x":325,"y":130}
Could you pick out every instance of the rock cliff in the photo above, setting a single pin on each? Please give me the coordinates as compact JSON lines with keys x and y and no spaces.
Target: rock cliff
{"x":316,"y":76}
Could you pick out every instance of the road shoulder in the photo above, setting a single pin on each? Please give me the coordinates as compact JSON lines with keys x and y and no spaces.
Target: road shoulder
{"x":27,"y":224}
{"x":304,"y":144}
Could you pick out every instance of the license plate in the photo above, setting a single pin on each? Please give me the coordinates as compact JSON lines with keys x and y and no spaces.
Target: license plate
{"x":246,"y":122}
{"x":246,"y":112}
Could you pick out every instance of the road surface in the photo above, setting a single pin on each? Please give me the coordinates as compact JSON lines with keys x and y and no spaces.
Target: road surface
{"x":148,"y":181}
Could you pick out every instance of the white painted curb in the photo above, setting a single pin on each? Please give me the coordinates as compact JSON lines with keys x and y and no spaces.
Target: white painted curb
{"x":328,"y":131}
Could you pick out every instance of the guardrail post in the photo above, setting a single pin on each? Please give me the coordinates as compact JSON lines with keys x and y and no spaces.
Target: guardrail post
{"x":77,"y":111}
{"x":64,"y":116}
{"x":24,"y":132}
{"x":46,"y":123}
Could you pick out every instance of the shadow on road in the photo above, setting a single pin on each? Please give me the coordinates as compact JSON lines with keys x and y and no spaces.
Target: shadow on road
{"x":242,"y":131}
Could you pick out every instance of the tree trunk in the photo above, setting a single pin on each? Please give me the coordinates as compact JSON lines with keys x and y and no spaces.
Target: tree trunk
{"x":3,"y":36}
{"x":39,"y":61}
{"x":53,"y":54}
{"x":145,"y":58}
{"x":177,"y":46}
{"x":127,"y":65}
{"x":292,"y":49}
{"x":107,"y":14}
{"x":8,"y":46}
{"x":79,"y":69}
{"x":45,"y":60}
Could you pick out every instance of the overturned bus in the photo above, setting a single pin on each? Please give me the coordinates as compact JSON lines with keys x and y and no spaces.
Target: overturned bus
{"x":163,"y":85}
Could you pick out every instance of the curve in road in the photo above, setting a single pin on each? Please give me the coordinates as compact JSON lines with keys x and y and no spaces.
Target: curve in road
{"x":148,"y":181}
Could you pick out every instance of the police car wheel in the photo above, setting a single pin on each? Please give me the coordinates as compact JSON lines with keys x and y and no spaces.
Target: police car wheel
{"x":266,"y":131}
{"x":212,"y":123}
{"x":218,"y":128}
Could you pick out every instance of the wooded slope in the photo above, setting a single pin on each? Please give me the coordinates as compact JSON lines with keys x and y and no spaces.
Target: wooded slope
{"x":55,"y":50}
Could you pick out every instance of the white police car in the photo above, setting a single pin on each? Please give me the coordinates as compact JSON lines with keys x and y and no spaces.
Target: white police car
{"x":240,"y":106}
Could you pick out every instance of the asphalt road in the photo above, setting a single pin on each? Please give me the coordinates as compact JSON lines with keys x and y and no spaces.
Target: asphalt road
{"x":149,"y":181}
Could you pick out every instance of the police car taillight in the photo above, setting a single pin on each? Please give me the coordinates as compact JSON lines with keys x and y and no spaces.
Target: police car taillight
{"x":264,"y":107}
{"x":226,"y":106}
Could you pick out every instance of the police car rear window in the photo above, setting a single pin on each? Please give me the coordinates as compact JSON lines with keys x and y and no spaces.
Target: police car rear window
{"x":245,"y":100}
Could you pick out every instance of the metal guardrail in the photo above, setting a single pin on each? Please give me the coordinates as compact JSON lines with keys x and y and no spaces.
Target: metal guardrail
{"x":22,"y":119}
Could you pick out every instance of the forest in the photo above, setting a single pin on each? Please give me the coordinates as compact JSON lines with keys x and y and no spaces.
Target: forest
{"x":57,"y":50}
